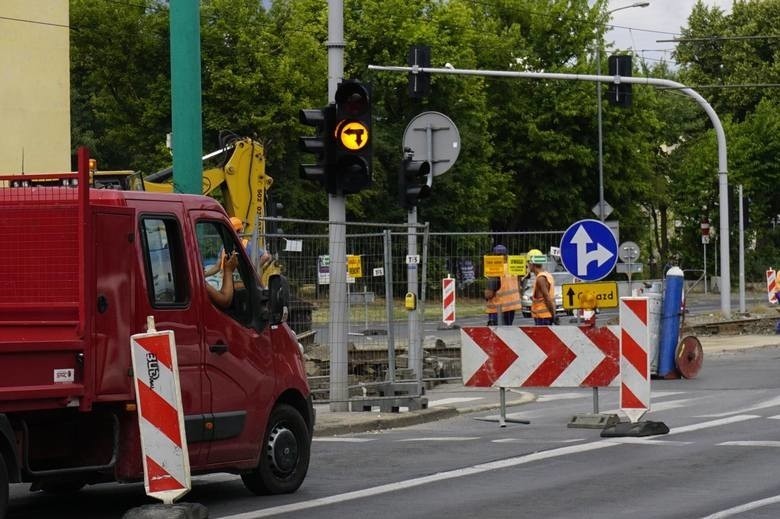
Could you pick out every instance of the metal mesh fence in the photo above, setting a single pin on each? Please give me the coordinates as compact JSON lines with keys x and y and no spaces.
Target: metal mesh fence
{"x":381,"y":330}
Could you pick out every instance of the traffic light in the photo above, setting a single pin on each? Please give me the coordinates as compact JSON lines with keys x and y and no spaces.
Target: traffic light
{"x":352,"y":146}
{"x":320,"y":145}
{"x":414,"y":180}
{"x":619,"y":94}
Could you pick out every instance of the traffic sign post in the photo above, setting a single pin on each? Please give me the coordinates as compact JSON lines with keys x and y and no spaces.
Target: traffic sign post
{"x":589,"y":250}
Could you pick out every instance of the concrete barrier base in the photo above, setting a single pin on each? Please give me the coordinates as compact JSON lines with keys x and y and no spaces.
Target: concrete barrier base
{"x":175,"y":511}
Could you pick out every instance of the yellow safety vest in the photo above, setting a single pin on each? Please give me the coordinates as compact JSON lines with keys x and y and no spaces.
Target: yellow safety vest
{"x":507,"y":297}
{"x":539,"y":308}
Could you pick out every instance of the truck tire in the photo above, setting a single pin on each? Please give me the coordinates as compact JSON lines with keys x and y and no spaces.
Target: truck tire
{"x":284,"y":459}
{"x":3,"y":488}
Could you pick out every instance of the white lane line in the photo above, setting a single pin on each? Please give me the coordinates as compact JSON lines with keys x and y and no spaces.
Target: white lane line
{"x":523,"y":440}
{"x":713,"y":423}
{"x":661,"y":406}
{"x":448,"y":401}
{"x":747,"y":443}
{"x":747,"y":507}
{"x":647,"y":440}
{"x":332,"y":439}
{"x":775,"y":417}
{"x":664,"y":393}
{"x":458,"y":473}
{"x":441,"y":439}
{"x":772,"y":402}
{"x":560,"y":396}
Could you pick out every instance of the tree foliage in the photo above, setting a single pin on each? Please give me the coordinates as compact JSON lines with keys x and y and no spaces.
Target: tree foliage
{"x":528,"y":158}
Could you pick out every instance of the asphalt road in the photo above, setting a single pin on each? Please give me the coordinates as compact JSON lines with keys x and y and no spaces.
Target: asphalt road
{"x":721,"y":453}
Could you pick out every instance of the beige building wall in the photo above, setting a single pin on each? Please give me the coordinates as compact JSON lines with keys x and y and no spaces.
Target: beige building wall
{"x":34,"y":86}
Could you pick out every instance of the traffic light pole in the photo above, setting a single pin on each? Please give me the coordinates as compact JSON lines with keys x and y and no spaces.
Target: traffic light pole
{"x":725,"y":267}
{"x":412,"y":286}
{"x":337,"y":232}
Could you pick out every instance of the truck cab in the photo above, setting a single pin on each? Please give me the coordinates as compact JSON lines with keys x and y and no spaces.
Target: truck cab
{"x":95,"y":264}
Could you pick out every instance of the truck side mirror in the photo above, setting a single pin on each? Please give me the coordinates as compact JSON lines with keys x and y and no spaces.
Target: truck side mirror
{"x":279,"y":298}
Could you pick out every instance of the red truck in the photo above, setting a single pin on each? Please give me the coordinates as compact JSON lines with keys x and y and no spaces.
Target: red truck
{"x":82,"y":270}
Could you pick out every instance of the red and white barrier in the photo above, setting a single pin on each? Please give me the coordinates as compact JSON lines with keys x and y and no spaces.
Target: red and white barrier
{"x":160,"y":415}
{"x":771,"y":285}
{"x":540,"y":356}
{"x":448,"y":301}
{"x":635,"y":337}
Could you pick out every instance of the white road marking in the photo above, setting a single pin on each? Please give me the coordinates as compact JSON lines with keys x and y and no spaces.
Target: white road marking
{"x":448,"y":401}
{"x":664,"y":393}
{"x":744,"y":508}
{"x":219,"y":477}
{"x":560,"y":396}
{"x":772,"y":402}
{"x":336,"y":439}
{"x":712,"y":423}
{"x":441,"y":439}
{"x":463,"y":472}
{"x":747,"y":443}
{"x":660,"y":406}
{"x":646,"y":440}
{"x":775,"y":417}
{"x":523,"y":440}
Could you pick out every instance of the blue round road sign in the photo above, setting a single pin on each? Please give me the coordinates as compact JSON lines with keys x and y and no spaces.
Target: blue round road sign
{"x":589,"y":250}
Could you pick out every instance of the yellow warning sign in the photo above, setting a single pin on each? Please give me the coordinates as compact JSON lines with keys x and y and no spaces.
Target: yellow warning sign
{"x":590,"y":295}
{"x":353,"y":135}
{"x":494,"y":265}
{"x":518,"y":265}
{"x":354,"y":266}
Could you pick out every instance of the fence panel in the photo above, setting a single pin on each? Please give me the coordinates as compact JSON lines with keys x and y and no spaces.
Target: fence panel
{"x":374,"y":333}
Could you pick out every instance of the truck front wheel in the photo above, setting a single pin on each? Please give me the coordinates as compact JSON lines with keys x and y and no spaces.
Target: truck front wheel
{"x":3,"y":488}
{"x":284,"y":459}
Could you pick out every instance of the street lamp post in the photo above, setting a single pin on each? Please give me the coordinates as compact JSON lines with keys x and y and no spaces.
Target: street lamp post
{"x":602,"y":216}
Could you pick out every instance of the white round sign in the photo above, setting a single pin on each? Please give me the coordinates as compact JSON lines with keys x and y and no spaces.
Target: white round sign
{"x":628,"y":252}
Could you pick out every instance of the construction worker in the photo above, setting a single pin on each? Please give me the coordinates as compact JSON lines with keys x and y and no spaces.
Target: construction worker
{"x":502,"y":294}
{"x":542,"y":298}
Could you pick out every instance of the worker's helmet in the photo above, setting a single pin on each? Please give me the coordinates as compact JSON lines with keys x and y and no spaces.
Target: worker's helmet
{"x":237,"y":224}
{"x":536,"y":257}
{"x":500,"y":249}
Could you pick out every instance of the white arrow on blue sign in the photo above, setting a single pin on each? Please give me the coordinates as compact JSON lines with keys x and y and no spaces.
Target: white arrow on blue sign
{"x":589,"y":250}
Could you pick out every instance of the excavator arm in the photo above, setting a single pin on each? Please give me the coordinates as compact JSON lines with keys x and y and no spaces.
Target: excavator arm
{"x":239,"y":182}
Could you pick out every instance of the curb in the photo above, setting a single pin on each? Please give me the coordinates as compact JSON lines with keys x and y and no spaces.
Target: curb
{"x":334,"y":424}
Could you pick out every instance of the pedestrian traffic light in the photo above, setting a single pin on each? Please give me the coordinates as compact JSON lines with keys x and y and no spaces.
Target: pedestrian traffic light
{"x":352,"y":146}
{"x":414,"y":180}
{"x":320,"y":145}
{"x":619,"y":94}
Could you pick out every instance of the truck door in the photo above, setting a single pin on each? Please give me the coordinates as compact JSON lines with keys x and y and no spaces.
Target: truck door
{"x":164,"y":292}
{"x":238,"y":357}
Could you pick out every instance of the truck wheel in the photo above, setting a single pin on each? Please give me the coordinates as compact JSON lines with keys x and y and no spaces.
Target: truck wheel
{"x":284,"y":459}
{"x":3,"y":488}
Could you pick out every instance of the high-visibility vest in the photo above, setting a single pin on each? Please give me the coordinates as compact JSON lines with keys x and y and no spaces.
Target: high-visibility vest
{"x":507,"y":297}
{"x":539,"y":308}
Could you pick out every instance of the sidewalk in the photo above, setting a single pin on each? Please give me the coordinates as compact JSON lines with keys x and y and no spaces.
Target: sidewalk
{"x":452,"y":399}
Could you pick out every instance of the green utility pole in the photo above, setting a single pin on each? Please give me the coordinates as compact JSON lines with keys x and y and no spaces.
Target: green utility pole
{"x":185,"y":96}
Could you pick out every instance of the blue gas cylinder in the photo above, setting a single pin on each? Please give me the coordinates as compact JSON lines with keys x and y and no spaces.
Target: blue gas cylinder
{"x":670,"y":320}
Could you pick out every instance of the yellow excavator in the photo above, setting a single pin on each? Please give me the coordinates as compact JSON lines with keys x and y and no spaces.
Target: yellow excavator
{"x":238,"y":180}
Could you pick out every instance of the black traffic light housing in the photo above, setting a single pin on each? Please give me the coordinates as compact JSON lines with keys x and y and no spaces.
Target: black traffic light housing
{"x":351,"y":139}
{"x":619,"y":94}
{"x":319,"y":145}
{"x":414,"y":180}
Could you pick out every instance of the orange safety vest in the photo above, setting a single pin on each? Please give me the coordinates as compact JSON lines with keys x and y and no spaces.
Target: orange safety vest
{"x":507,"y":297}
{"x":539,"y":308}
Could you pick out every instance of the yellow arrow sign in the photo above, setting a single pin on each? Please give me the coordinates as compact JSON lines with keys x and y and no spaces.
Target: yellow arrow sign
{"x":590,"y":295}
{"x":353,"y":135}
